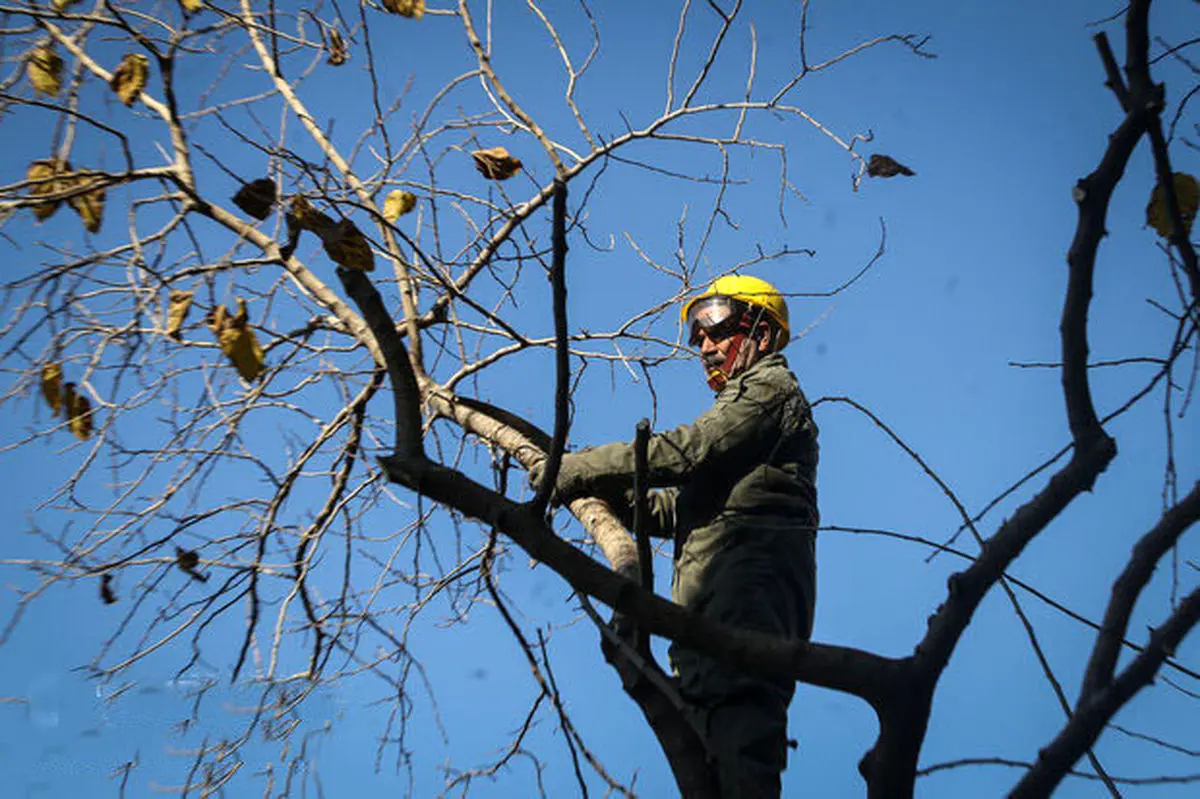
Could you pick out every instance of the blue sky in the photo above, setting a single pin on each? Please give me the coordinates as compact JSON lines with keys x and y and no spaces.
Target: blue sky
{"x":998,"y":128}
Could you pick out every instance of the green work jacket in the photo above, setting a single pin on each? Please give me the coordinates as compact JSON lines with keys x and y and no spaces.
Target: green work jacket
{"x":739,"y":491}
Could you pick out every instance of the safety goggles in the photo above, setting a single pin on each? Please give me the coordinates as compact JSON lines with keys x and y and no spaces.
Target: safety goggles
{"x":717,"y":317}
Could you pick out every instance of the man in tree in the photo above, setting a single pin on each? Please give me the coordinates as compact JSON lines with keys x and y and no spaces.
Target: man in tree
{"x":739,"y":497}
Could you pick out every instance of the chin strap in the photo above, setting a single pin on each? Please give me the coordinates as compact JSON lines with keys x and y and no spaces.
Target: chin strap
{"x":735,"y":359}
{"x":718,"y":376}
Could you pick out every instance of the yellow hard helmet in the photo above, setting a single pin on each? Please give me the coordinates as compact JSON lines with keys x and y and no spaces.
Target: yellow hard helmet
{"x":753,"y":291}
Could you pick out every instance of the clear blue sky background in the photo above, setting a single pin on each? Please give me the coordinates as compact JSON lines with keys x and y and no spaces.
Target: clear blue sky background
{"x":998,"y":128}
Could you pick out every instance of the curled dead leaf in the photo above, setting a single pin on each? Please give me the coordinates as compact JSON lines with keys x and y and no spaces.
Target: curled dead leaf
{"x":1187,"y":195}
{"x":349,"y":247}
{"x":413,"y":9}
{"x":884,"y":166}
{"x":177,"y":310}
{"x":188,"y":561}
{"x":397,"y":204}
{"x":338,"y":54}
{"x":44,"y":176}
{"x":88,"y":204}
{"x":186,"y":558}
{"x":306,"y":217}
{"x":107,"y":595}
{"x":495,"y":163}
{"x":301,"y":216}
{"x":79,"y":412}
{"x":237,"y":340}
{"x":52,"y":388}
{"x":129,"y":78}
{"x":256,"y":198}
{"x":44,"y":70}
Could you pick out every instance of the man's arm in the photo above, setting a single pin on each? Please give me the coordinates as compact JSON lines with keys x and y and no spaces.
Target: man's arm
{"x":742,"y":427}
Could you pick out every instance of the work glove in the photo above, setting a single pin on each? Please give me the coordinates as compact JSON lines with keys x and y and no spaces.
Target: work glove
{"x":569,"y":484}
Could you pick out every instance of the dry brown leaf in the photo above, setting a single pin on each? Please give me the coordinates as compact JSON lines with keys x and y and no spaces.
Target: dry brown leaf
{"x":307,"y":217}
{"x":301,"y":216}
{"x":338,"y":54}
{"x":188,"y":561}
{"x":349,"y":247}
{"x":89,"y":204}
{"x":44,"y":69}
{"x":413,"y":9}
{"x":256,"y":198}
{"x":44,"y":171}
{"x":130,"y":76}
{"x":79,"y":412}
{"x":495,"y":163}
{"x":884,"y":166}
{"x":177,"y":311}
{"x":52,"y":389}
{"x":397,"y":204}
{"x":107,"y":595}
{"x":1187,"y":195}
{"x":237,"y":341}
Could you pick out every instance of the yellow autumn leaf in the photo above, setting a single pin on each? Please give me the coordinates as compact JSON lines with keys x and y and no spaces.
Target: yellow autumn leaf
{"x":495,"y":163}
{"x":397,"y":204}
{"x":256,"y":198}
{"x":413,"y":9}
{"x":44,"y":69}
{"x":79,"y":412}
{"x":129,"y":78}
{"x":177,"y":310}
{"x":61,"y":5}
{"x":43,"y":176}
{"x":52,"y":389}
{"x":1187,"y":194}
{"x":338,"y":54}
{"x":191,"y":6}
{"x":89,"y":204}
{"x":349,"y":247}
{"x":237,"y":341}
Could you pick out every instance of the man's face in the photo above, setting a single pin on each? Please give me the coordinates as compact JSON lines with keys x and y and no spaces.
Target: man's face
{"x":718,"y":327}
{"x":714,"y":349}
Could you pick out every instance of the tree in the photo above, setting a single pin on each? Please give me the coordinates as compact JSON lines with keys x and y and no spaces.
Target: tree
{"x":238,"y":456}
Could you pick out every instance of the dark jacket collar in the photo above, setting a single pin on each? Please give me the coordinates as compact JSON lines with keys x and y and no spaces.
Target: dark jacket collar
{"x":774,"y":360}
